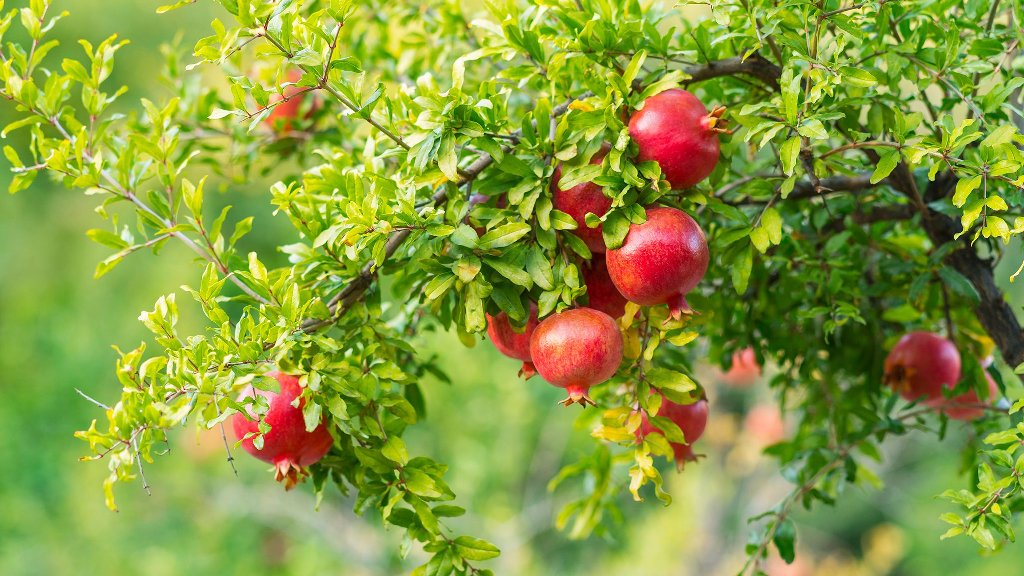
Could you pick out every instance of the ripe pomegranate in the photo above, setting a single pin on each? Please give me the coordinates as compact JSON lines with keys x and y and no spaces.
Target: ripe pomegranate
{"x":691,"y":419}
{"x":966,"y":406}
{"x":511,"y":343}
{"x":745,"y":369}
{"x":601,"y":292}
{"x":676,"y":130}
{"x":282,"y":115}
{"x":921,"y":365}
{"x":581,"y":199}
{"x":661,"y":260}
{"x":576,"y":349}
{"x":288,"y":445}
{"x":765,"y":425}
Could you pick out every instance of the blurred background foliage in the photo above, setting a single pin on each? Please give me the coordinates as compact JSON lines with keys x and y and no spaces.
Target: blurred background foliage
{"x":503,"y":438}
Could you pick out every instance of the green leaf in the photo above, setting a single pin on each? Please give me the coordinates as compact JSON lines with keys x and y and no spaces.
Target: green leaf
{"x":964,"y":187}
{"x":514,"y":273}
{"x":785,"y":540}
{"x":504,"y":235}
{"x":959,"y":283}
{"x":789,"y":153}
{"x":475,"y":548}
{"x":886,"y":164}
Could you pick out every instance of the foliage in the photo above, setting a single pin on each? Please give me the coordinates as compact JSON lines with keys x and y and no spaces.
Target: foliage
{"x":875,"y":173}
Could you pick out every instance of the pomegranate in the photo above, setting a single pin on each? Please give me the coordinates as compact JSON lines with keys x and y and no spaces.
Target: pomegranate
{"x":581,"y":199}
{"x":921,"y":365}
{"x":765,"y":425}
{"x":966,"y":406}
{"x":745,"y":369}
{"x":601,"y":292}
{"x":576,"y":349}
{"x":512,"y":343}
{"x":661,"y":260}
{"x":691,"y":419}
{"x":282,"y":115}
{"x":674,"y":129}
{"x":288,"y":445}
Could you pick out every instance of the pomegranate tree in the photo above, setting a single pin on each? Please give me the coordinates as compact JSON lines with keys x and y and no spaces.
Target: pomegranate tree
{"x":674,"y":129}
{"x":660,"y":260}
{"x":601,"y":292}
{"x":576,"y":349}
{"x":580,"y":199}
{"x":289,"y":446}
{"x":921,"y":365}
{"x":288,"y":105}
{"x":512,"y":342}
{"x":691,"y":420}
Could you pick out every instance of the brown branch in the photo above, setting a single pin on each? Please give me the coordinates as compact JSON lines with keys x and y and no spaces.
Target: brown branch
{"x":993,"y":311}
{"x":756,"y":66}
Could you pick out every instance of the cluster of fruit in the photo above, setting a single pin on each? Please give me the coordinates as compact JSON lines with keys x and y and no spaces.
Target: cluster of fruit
{"x":922,"y":365}
{"x":659,"y":262}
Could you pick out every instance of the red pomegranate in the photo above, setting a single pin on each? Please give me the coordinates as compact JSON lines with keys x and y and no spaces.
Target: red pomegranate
{"x":288,"y":445}
{"x":676,"y":130}
{"x":967,"y":406}
{"x":282,"y":115}
{"x":661,"y":260}
{"x":512,"y":343}
{"x":601,"y":291}
{"x":576,"y":349}
{"x":691,"y":419}
{"x":581,"y":199}
{"x":745,"y":369}
{"x":921,"y":365}
{"x":764,"y":424}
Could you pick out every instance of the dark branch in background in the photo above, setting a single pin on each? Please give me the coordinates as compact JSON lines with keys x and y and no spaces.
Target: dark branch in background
{"x":993,"y":311}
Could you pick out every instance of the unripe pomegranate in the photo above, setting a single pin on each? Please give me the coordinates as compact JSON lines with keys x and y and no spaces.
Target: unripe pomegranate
{"x":576,"y":349}
{"x":602,"y":293}
{"x":511,"y":343}
{"x":691,"y":419}
{"x":288,"y":445}
{"x":966,"y":406}
{"x":581,"y":199}
{"x":674,"y":129}
{"x":745,"y":369}
{"x":921,"y":365}
{"x":661,"y":260}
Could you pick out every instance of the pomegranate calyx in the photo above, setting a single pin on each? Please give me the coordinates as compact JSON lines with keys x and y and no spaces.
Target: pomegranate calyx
{"x":577,"y":395}
{"x":289,"y":473}
{"x":527,"y":371}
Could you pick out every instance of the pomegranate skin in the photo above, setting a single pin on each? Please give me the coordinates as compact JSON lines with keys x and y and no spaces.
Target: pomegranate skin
{"x":967,"y":406}
{"x":660,"y":260}
{"x":692,"y":419}
{"x":602,"y":293}
{"x":515,"y":345}
{"x":921,"y":365}
{"x":674,"y":129}
{"x":576,"y":349}
{"x":581,"y":199}
{"x":745,"y":369}
{"x":288,"y":445}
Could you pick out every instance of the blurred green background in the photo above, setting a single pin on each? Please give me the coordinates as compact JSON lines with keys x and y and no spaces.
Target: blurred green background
{"x":503,"y":438}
